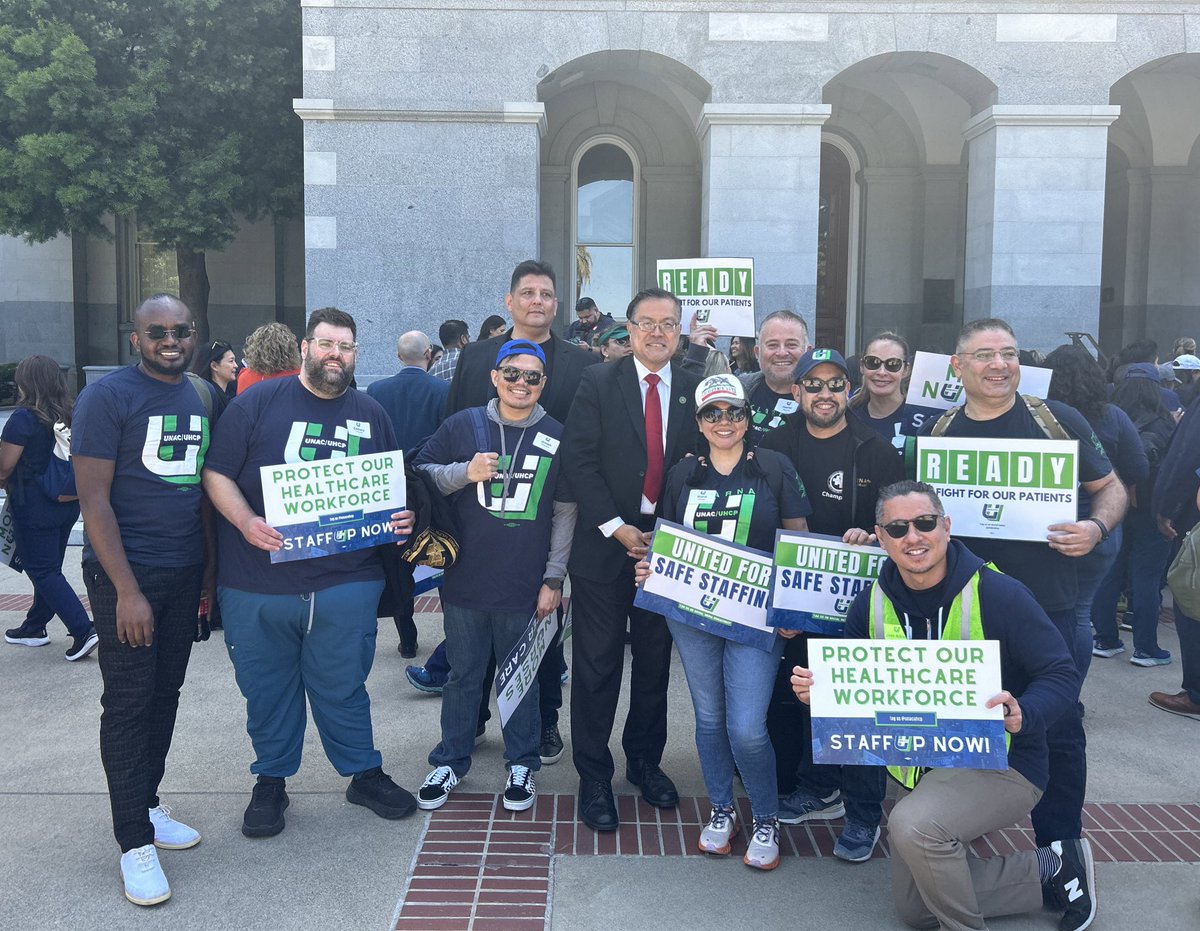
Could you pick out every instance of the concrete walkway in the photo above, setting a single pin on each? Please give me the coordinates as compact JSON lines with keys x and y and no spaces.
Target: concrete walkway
{"x":339,"y":866}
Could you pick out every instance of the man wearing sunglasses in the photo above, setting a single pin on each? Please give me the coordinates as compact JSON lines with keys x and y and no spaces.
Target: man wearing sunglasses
{"x":923,"y":593}
{"x":843,"y":464}
{"x":515,"y":531}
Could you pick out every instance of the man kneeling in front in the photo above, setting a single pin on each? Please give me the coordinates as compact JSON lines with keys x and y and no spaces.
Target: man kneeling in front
{"x":934,"y":588}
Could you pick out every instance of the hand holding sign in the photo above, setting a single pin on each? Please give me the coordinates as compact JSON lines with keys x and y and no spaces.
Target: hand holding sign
{"x":261,"y":534}
{"x":1012,"y":711}
{"x":1077,"y":538}
{"x":702,"y":333}
{"x":802,"y":682}
{"x":402,"y":525}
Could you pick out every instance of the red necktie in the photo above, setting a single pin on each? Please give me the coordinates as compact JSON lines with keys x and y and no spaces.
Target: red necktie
{"x":654,"y":441}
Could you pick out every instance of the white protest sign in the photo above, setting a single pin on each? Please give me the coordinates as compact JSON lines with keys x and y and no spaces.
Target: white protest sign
{"x":333,"y":505}
{"x":519,"y":670}
{"x":1003,"y":489}
{"x":907,"y":703}
{"x":8,"y":538}
{"x":720,"y":292}
{"x":708,"y":583}
{"x":816,"y":579}
{"x":934,"y":385}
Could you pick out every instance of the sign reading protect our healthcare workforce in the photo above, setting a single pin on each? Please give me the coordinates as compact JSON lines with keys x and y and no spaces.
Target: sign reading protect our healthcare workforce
{"x":720,"y":292}
{"x":519,"y":670}
{"x":907,"y":703}
{"x":1004,"y":489}
{"x":934,"y":387}
{"x":709,"y":584}
{"x":333,"y":505}
{"x":816,"y":579}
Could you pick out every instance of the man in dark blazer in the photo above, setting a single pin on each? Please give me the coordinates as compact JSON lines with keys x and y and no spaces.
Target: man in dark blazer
{"x":617,"y":479}
{"x":413,"y":400}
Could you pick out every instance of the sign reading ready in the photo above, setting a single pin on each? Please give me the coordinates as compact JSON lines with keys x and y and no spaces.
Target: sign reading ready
{"x":1006,"y":489}
{"x":816,"y":579}
{"x":333,"y":505}
{"x":907,"y":703}
{"x":720,"y":292}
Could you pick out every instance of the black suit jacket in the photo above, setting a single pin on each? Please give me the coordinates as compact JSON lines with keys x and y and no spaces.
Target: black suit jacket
{"x":472,"y":383}
{"x":604,"y":456}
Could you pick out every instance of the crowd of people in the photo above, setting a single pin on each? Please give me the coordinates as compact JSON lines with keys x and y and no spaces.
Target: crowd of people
{"x":556,"y":457}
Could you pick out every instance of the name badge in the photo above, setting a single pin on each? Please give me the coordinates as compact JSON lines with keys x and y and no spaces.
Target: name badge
{"x":548,"y":443}
{"x":358,"y":428}
{"x":786,"y":406}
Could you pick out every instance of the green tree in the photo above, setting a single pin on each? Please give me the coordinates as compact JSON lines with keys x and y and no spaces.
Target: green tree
{"x":176,"y":111}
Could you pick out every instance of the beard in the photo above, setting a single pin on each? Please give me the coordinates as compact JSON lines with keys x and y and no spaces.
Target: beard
{"x":331,"y":381}
{"x":161,"y":367}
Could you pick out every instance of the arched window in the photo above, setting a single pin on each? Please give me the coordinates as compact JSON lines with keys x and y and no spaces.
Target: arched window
{"x":606,"y":225}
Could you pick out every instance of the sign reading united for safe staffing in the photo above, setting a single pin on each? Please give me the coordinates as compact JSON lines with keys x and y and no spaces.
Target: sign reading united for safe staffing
{"x":816,"y":579}
{"x":709,"y":584}
{"x":333,"y":505}
{"x":934,"y":386}
{"x":1004,"y":489}
{"x":720,"y":292}
{"x":907,"y":703}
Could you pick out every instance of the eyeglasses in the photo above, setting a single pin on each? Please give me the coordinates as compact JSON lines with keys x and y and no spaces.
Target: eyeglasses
{"x":872,"y":363}
{"x":898,"y":529}
{"x":328,"y":345}
{"x":510,"y":373}
{"x":716,"y":414}
{"x":660,"y":326}
{"x":179,"y":331}
{"x":815,"y":385}
{"x":984,"y":356}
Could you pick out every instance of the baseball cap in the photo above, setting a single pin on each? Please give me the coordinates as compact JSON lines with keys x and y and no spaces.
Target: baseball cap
{"x":1187,"y":363}
{"x":1166,"y":373}
{"x":814,"y":357}
{"x":620,"y":331}
{"x":720,"y":388}
{"x":519,"y":347}
{"x":1142,"y":370}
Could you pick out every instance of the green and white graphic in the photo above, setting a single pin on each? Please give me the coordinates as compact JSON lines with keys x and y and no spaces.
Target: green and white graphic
{"x":723,"y":515}
{"x":525,"y":488}
{"x":1005,"y":489}
{"x":720,"y":292}
{"x":308,"y":442}
{"x":175,"y":453}
{"x":816,"y":579}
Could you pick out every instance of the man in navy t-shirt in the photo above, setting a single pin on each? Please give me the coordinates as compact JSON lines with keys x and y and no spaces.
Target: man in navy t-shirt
{"x":304,"y":628}
{"x":139,"y":437}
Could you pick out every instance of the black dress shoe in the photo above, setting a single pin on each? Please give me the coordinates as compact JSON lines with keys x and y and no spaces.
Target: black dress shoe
{"x":408,"y":650}
{"x":596,"y":806}
{"x":657,"y":788}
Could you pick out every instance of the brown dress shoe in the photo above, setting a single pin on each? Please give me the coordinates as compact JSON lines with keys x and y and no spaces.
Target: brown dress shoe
{"x":1180,"y":704}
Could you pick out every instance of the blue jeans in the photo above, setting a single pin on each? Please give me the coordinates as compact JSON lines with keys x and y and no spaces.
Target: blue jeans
{"x":1188,"y":629}
{"x":472,"y":638}
{"x":321,"y":646}
{"x":1090,"y":571}
{"x":731,"y":688}
{"x":1143,"y":557}
{"x":42,"y":531}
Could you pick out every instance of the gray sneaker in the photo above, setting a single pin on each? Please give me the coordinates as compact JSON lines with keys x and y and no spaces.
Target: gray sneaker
{"x":762,"y":852}
{"x":800,"y":807}
{"x":857,"y":842}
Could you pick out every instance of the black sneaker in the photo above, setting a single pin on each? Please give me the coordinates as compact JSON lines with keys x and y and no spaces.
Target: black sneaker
{"x":436,"y":788}
{"x":1074,"y":885}
{"x":27,"y":636}
{"x":519,"y":791}
{"x":375,"y":790}
{"x":264,"y":814}
{"x":551,"y":750}
{"x":82,"y":646}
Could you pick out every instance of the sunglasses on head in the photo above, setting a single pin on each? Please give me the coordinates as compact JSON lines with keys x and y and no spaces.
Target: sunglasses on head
{"x":814,"y":385}
{"x":898,"y":529}
{"x":716,"y":414}
{"x":510,"y":373}
{"x":179,"y":331}
{"x":872,"y":363}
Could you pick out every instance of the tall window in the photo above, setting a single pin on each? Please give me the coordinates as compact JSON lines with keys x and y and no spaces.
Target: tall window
{"x":605,"y":226}
{"x":156,"y":268}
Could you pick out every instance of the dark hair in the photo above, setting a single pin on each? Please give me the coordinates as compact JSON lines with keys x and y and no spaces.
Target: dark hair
{"x":1141,"y":399}
{"x":650,"y":294}
{"x":212,"y":351}
{"x":451,"y":331}
{"x":585,"y":303}
{"x":333,"y":317}
{"x":978,"y":326}
{"x":862,"y":397}
{"x":787,"y":315}
{"x":908,"y":487}
{"x":1140,"y":350}
{"x":1078,"y":380}
{"x":42,"y":387}
{"x":531,"y":267}
{"x":485,"y":328}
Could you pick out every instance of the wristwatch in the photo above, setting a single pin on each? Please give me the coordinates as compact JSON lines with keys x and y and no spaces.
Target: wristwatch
{"x":553,"y":584}
{"x":1099,"y":523}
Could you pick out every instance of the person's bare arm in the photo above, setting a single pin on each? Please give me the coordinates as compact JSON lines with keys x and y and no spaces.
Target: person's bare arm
{"x":1109,"y":500}
{"x":229,"y":500}
{"x":10,"y":455}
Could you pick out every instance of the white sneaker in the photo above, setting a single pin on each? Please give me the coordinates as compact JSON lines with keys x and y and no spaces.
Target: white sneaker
{"x":145,"y":883}
{"x":715,"y":837}
{"x":763,"y":850}
{"x":170,"y":834}
{"x":436,"y":788}
{"x":519,"y":790}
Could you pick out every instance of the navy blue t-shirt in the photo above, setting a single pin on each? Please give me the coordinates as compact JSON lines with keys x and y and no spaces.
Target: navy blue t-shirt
{"x":157,"y":434}
{"x":23,"y":428}
{"x":767,"y":410}
{"x":504,"y":525}
{"x":906,"y":420}
{"x":280,"y":422}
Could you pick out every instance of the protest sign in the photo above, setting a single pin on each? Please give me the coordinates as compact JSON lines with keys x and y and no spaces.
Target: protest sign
{"x":333,"y":505}
{"x":1003,"y":489}
{"x":907,"y":703}
{"x":720,"y":292}
{"x":933,"y":387}
{"x":519,"y":670}
{"x":8,"y":539}
{"x":708,"y":583}
{"x":816,"y":579}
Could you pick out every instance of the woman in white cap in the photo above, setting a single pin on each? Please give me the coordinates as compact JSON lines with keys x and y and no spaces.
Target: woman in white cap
{"x":741,"y":496}
{"x":1187,"y":373}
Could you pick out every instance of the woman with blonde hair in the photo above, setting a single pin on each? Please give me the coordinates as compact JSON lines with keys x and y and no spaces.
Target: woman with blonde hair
{"x":271,"y":351}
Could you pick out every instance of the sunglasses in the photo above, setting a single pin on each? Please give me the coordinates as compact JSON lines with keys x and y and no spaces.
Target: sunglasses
{"x":814,"y":385}
{"x":179,"y":331}
{"x":511,"y":374}
{"x":872,"y":363}
{"x":898,"y":529}
{"x":620,"y":340}
{"x":716,"y":414}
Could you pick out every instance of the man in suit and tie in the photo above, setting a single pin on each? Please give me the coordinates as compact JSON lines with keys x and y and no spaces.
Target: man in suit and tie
{"x":631,"y":421}
{"x":413,"y":400}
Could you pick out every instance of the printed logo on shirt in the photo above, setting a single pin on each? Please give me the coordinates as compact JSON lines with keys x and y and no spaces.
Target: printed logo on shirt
{"x":175,"y":453}
{"x":525,"y":486}
{"x":765,"y":419}
{"x":834,"y":484}
{"x":310,"y":441}
{"x":726,"y":516}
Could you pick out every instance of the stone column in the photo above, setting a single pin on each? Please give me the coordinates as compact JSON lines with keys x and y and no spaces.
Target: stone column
{"x":1035,"y":218}
{"x":761,"y":194}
